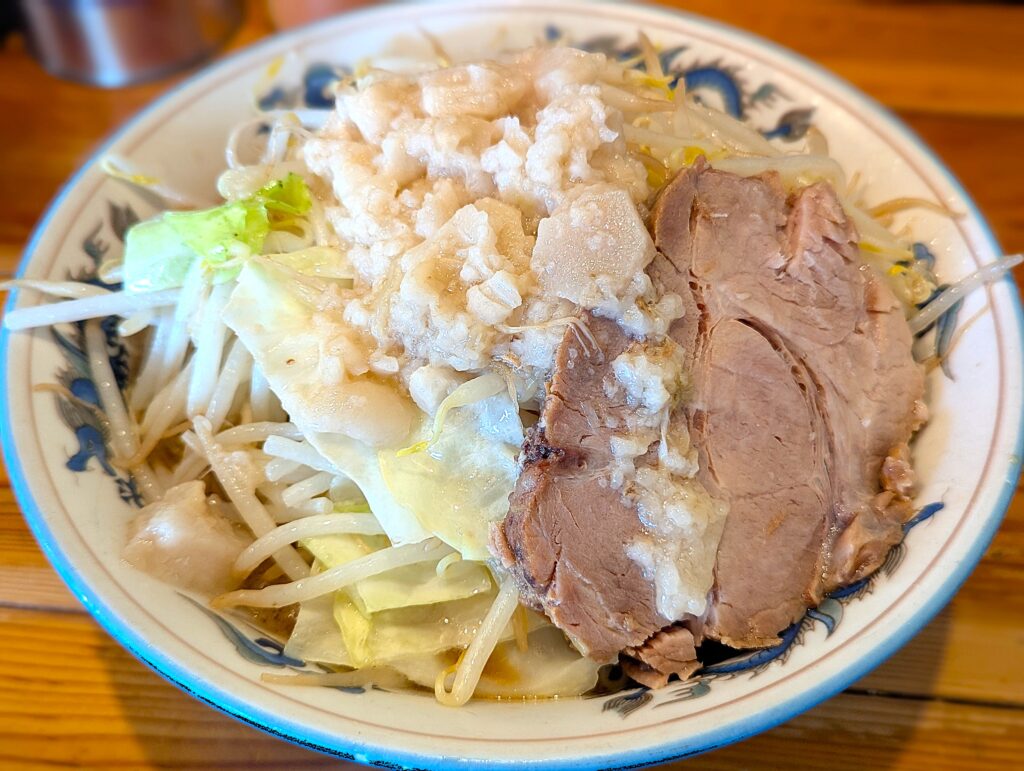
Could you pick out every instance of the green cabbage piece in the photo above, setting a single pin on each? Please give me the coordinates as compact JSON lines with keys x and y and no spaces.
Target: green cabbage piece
{"x":355,"y":629}
{"x":335,"y":550}
{"x":334,"y":631}
{"x":276,"y":322}
{"x":159,"y":252}
{"x":286,"y":196}
{"x":319,"y":261}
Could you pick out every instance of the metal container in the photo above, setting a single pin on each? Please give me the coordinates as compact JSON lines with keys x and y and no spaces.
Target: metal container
{"x":113,"y":43}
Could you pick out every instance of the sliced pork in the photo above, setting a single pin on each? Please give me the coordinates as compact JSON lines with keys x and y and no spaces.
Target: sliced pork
{"x":804,"y":385}
{"x":804,"y":394}
{"x":671,"y":651}
{"x":564,"y":534}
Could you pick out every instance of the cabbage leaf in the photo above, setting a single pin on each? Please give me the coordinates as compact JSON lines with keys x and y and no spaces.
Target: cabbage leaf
{"x":418,"y":612}
{"x":280,"y":327}
{"x":458,"y":479}
{"x":379,"y":638}
{"x":549,"y":666}
{"x":359,"y":463}
{"x":318,"y":261}
{"x":421,"y":585}
{"x":402,"y":587}
{"x":159,"y":252}
{"x":316,"y":636}
{"x":315,"y":362}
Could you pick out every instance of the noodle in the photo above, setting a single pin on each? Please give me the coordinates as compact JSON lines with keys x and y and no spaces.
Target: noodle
{"x":315,"y":506}
{"x":66,"y":289}
{"x":630,"y":103}
{"x":795,"y":170}
{"x":302,"y":453}
{"x":307,"y":527}
{"x":135,"y":323}
{"x":151,"y":374}
{"x":894,"y":205}
{"x":122,"y":434}
{"x":732,"y":132}
{"x":665,"y":143}
{"x":445,"y":562}
{"x":301,"y":492}
{"x":277,"y":145}
{"x":652,"y":63}
{"x":471,"y":667}
{"x":242,"y":494}
{"x":954,"y":294}
{"x":167,"y":408}
{"x":122,"y":169}
{"x":874,"y":234}
{"x":91,"y":307}
{"x":123,"y":437}
{"x":231,"y":151}
{"x":192,"y":292}
{"x":248,"y":433}
{"x":209,"y":349}
{"x":236,"y":369}
{"x":332,"y":580}
{"x":170,"y":398}
{"x":278,"y":468}
{"x":192,"y":466}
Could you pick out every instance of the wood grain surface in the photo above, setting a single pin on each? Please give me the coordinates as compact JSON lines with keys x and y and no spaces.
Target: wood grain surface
{"x":952,"y":698}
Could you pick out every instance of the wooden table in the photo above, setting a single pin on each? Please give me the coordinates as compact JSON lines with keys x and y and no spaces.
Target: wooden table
{"x":952,"y":698}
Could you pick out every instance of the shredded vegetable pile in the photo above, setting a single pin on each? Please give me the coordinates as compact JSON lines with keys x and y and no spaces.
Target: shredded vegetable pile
{"x":279,"y":475}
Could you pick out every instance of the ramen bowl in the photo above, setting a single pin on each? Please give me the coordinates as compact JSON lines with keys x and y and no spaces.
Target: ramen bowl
{"x":78,"y":504}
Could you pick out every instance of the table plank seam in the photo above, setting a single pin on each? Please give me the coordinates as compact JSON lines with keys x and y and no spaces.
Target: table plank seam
{"x":922,"y":697}
{"x":876,"y":693}
{"x":36,"y":608}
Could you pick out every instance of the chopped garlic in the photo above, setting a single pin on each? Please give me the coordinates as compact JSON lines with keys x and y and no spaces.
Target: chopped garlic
{"x":444,"y":178}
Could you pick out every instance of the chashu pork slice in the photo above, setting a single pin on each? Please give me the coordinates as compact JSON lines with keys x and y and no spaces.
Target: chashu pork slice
{"x":804,"y":396}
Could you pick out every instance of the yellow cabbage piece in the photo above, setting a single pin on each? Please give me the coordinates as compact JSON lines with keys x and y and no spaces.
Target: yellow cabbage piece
{"x":403,"y":587}
{"x":379,"y":638}
{"x":417,"y":631}
{"x":312,"y":359}
{"x":420,"y":585}
{"x":550,"y":666}
{"x":458,"y":478}
{"x":316,"y":636}
{"x":359,"y":462}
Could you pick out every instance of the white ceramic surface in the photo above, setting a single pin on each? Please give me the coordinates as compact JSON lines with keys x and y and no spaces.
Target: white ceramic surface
{"x":968,"y":455}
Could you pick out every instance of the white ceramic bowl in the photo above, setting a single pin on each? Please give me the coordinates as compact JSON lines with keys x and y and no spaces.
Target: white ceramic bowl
{"x":77,"y":506}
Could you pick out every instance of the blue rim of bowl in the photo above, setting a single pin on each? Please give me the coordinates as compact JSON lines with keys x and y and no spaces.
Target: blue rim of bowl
{"x":352,"y":749}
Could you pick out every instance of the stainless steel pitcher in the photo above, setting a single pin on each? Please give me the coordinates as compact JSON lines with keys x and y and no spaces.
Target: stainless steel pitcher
{"x":116,"y":42}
